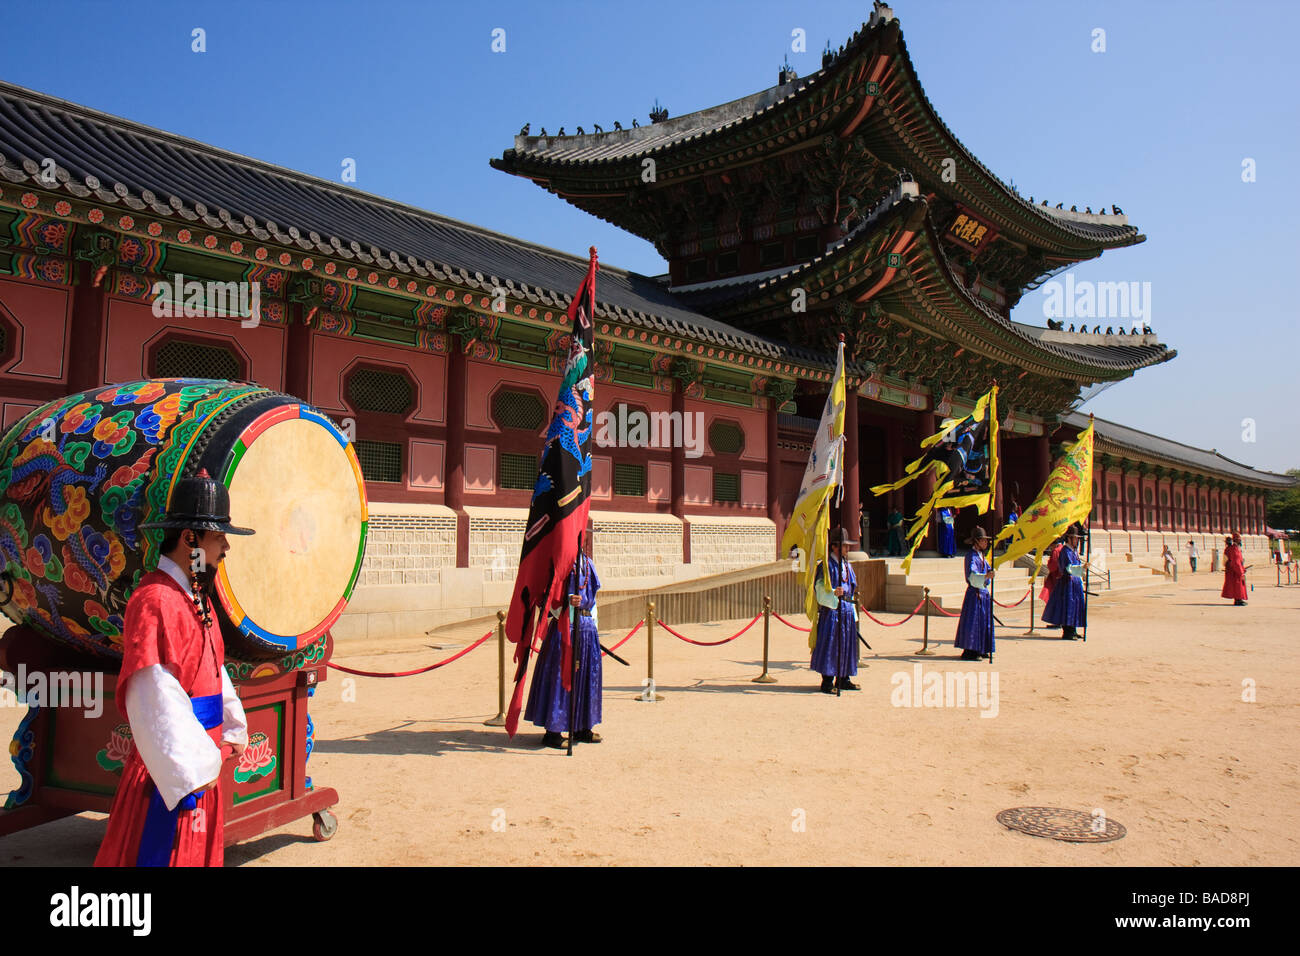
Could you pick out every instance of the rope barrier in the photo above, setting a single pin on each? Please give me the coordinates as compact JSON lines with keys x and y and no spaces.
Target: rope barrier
{"x":788,"y":624}
{"x":419,"y":670}
{"x":896,"y":623}
{"x":946,"y":613}
{"x":725,"y":640}
{"x":1018,"y":603}
{"x":629,"y":636}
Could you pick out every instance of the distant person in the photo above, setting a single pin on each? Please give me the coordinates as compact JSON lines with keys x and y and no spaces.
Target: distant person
{"x":895,"y":522}
{"x":975,"y":626}
{"x":1171,"y":563}
{"x":1192,"y":554}
{"x":864,"y":528}
{"x":1067,"y":604}
{"x":947,"y":533}
{"x":1234,"y":572}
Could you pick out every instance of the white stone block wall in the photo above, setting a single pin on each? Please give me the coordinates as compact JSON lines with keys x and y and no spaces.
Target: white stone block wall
{"x":721,"y":545}
{"x":495,"y":537}
{"x":631,"y":549}
{"x":407,"y":549}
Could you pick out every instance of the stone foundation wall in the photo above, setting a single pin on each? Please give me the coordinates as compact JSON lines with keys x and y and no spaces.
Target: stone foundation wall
{"x":636,"y":547}
{"x":726,"y":545}
{"x":408,"y":549}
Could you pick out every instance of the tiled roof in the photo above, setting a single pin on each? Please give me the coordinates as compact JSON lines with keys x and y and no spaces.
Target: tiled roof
{"x":553,"y":153}
{"x":1199,"y":459}
{"x":121,"y":162}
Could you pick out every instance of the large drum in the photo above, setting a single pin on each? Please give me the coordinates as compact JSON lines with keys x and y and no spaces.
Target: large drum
{"x":79,"y":475}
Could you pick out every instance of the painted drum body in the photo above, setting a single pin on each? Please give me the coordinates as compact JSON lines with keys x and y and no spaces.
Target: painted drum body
{"x":80,"y":474}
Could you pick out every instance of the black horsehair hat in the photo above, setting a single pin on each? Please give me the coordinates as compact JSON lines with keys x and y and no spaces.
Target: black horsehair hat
{"x":839,"y":536}
{"x":977,"y":534}
{"x":198,"y":504}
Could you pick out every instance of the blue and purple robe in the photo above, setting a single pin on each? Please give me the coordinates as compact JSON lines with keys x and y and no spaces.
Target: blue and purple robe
{"x":1066,"y":605}
{"x":836,"y":652}
{"x":947,"y":533}
{"x":975,"y":626}
{"x":548,"y":701}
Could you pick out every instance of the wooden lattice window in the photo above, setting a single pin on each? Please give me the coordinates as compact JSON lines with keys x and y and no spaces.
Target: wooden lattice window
{"x":181,"y":358}
{"x":728,"y":263}
{"x":629,"y":480}
{"x":374,"y":390}
{"x":726,"y":438}
{"x":522,"y":410}
{"x":726,"y":487}
{"x":380,"y":460}
{"x":518,"y":472}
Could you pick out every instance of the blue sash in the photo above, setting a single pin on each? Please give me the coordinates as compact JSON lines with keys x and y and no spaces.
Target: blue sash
{"x":159,"y":835}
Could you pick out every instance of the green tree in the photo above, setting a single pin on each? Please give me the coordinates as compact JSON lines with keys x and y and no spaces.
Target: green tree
{"x":1284,"y":505}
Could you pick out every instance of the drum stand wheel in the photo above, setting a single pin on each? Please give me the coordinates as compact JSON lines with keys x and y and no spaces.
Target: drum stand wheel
{"x":324,"y":825}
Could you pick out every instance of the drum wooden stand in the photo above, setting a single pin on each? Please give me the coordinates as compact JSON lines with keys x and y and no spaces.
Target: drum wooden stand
{"x":70,"y":762}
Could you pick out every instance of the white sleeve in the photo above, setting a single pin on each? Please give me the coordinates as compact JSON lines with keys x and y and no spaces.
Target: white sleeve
{"x":176,"y":750}
{"x":595,"y":617}
{"x":978,"y":580}
{"x":234,"y":725}
{"x":825,"y":596}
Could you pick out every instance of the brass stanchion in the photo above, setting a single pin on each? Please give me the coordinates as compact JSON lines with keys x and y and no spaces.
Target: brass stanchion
{"x":765,"y":677}
{"x":500,"y":719}
{"x":1033,"y":582}
{"x":648,"y":695}
{"x":925,"y":647}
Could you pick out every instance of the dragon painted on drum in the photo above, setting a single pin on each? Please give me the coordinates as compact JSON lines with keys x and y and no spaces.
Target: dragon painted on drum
{"x":75,"y":475}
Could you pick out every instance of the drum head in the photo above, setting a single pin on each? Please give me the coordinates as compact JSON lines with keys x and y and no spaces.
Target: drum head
{"x":294,"y":480}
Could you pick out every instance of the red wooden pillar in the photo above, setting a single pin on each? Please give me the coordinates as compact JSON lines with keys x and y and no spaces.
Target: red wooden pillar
{"x":454,"y":495}
{"x":928,"y":427}
{"x":1123,"y":497}
{"x":773,"y":472}
{"x":86,"y":357}
{"x":297,"y":362}
{"x":1043,"y":450}
{"x":852,"y":487}
{"x":679,"y":468}
{"x":894,"y":458}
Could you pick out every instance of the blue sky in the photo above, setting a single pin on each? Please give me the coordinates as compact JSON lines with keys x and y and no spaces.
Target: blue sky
{"x":1159,"y":124}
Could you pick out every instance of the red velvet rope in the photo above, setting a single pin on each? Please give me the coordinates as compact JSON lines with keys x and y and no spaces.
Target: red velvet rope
{"x":725,"y":640}
{"x":420,"y":670}
{"x":896,"y":623}
{"x":1018,"y":603}
{"x":628,"y":638}
{"x":788,"y":624}
{"x":947,"y":613}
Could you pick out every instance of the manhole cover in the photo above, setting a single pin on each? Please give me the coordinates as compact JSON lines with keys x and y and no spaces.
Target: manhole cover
{"x":1072,"y":826}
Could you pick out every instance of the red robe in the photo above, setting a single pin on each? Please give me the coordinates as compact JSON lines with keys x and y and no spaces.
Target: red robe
{"x":1234,"y":574}
{"x":164,"y":627}
{"x":1053,"y":573}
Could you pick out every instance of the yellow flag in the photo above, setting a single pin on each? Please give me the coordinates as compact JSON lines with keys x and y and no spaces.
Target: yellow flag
{"x":1065,"y":499}
{"x":955,"y":486}
{"x":810,"y":520}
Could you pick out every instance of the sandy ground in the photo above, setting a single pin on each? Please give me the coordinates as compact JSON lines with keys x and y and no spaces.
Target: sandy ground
{"x":1145,"y":722}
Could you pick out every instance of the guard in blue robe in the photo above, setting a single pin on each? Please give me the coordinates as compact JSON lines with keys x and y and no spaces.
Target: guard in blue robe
{"x":835,"y":653}
{"x":975,"y":626}
{"x":548,"y":701}
{"x":947,"y":533}
{"x":1067,"y":605}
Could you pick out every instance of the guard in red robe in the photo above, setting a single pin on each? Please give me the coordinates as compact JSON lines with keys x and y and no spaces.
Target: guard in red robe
{"x":1234,"y":571}
{"x":185,"y":716}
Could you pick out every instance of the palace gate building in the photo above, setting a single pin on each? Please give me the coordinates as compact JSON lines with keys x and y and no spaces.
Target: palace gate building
{"x":833,"y":203}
